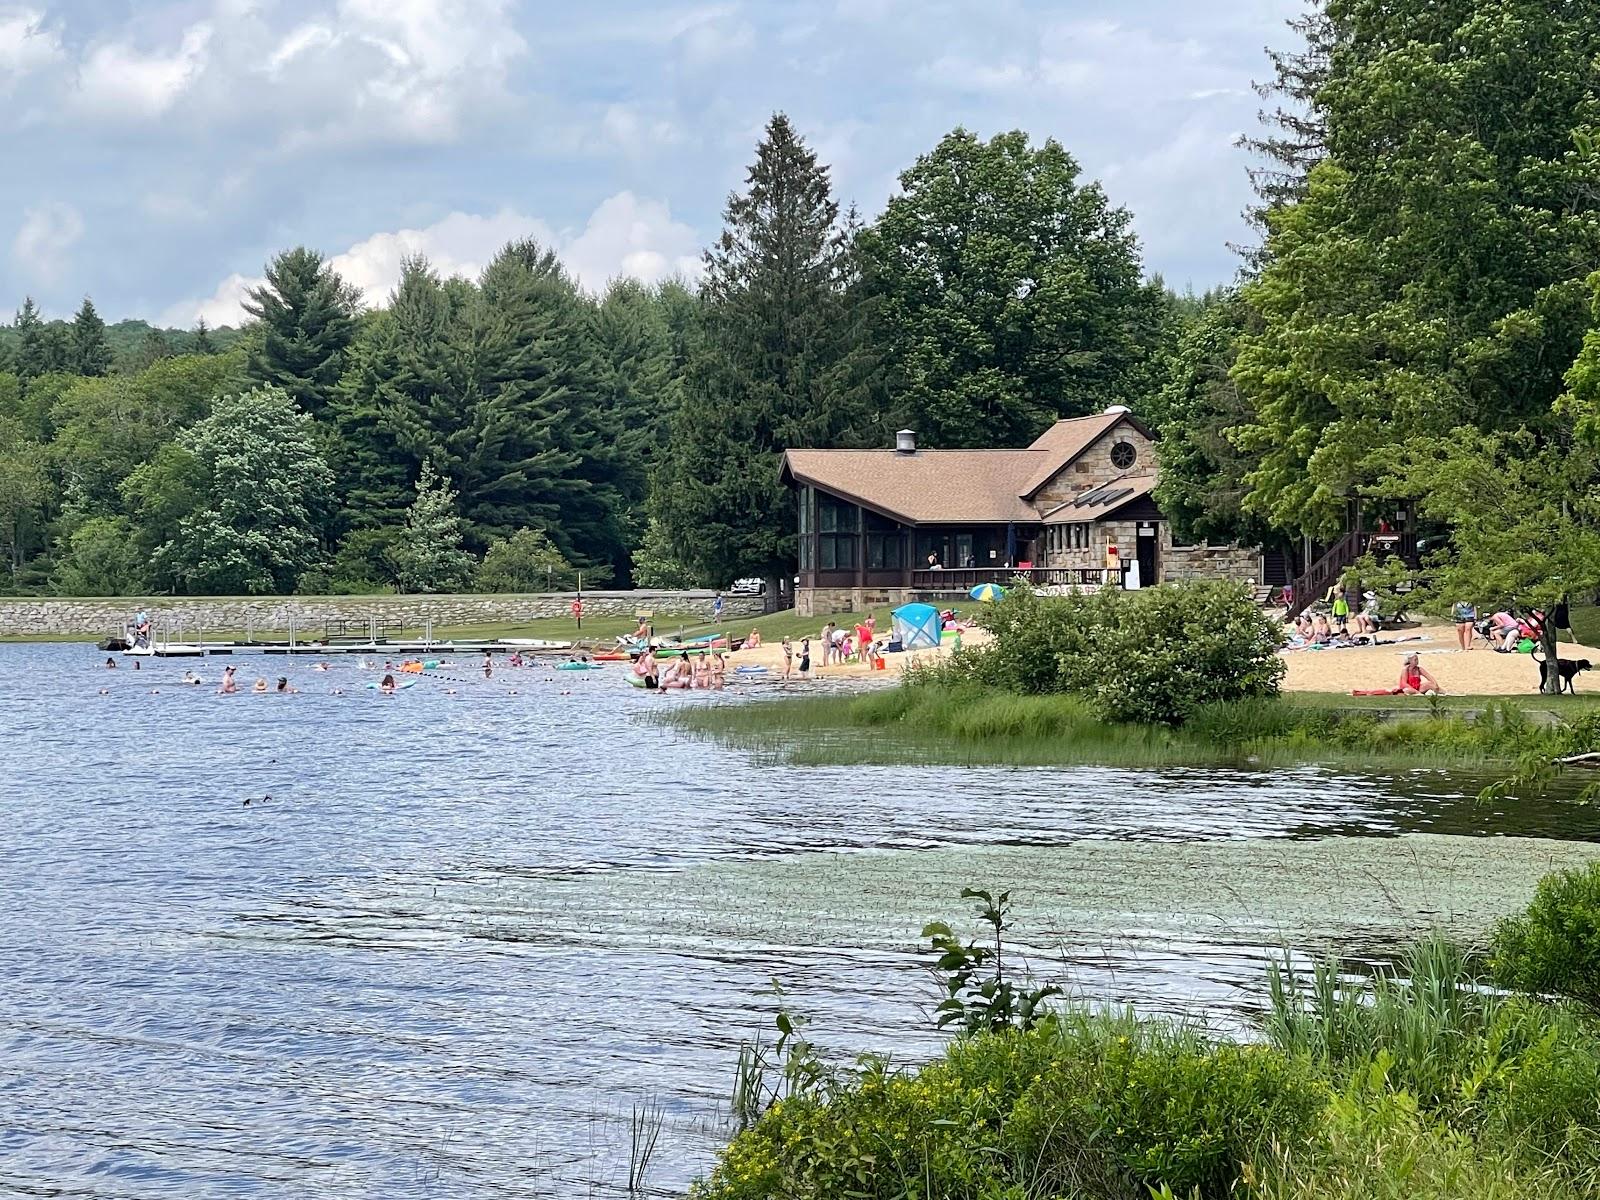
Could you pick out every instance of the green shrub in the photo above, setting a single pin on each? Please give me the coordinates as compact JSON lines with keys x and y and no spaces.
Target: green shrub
{"x":1376,"y":1145}
{"x":1155,"y":656}
{"x":1173,"y":1109}
{"x":1554,"y":947}
{"x":1521,"y":1075}
{"x":1083,"y":1104}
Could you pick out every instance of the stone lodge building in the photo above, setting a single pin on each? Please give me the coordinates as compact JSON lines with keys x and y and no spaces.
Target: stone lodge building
{"x":879,"y":528}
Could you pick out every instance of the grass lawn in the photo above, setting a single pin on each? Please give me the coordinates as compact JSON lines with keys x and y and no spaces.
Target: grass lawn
{"x":1422,"y":705}
{"x":773,"y":626}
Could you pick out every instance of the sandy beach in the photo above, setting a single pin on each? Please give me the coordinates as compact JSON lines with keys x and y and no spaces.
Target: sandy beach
{"x":770,"y":656}
{"x":1476,"y":672}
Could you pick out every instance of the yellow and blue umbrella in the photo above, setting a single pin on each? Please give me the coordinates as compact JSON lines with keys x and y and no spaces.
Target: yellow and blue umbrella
{"x":987,"y":592}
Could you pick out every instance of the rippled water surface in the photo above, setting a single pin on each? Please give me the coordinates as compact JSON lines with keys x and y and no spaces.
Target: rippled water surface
{"x":453,"y":939}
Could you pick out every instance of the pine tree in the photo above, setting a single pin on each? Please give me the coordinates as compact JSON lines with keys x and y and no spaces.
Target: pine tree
{"x":91,"y":353}
{"x":428,"y":557}
{"x":1298,"y":137}
{"x":642,"y":380}
{"x":384,"y":415}
{"x":202,"y":338}
{"x":762,"y":378}
{"x":307,"y":316}
{"x":534,"y":454}
{"x":33,"y":350}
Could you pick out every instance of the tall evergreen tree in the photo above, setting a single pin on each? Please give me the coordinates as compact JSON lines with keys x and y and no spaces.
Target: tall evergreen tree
{"x":91,"y":353}
{"x":307,"y":316}
{"x":1297,"y":135}
{"x":203,"y":343}
{"x":33,"y":350}
{"x":642,"y":381}
{"x":762,"y":378}
{"x":542,"y":462}
{"x":386,"y":415}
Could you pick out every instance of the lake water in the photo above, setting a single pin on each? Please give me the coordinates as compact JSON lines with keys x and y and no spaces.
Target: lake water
{"x":453,"y":940}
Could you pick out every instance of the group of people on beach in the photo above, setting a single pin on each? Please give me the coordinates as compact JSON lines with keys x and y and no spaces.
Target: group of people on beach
{"x":707,"y":670}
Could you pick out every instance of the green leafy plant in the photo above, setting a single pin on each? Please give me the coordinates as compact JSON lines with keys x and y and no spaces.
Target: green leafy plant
{"x":1553,"y":947}
{"x":978,"y":996}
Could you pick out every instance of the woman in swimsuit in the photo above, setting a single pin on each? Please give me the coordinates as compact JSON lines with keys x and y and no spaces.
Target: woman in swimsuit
{"x":387,"y":686}
{"x":229,"y":687}
{"x":788,"y":658}
{"x":719,"y":668}
{"x":1415,"y":680}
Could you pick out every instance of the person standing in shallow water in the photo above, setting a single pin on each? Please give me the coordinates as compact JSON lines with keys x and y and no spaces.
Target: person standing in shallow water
{"x":805,"y":658}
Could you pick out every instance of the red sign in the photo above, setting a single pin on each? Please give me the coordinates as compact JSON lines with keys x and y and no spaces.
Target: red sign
{"x":577,"y":608}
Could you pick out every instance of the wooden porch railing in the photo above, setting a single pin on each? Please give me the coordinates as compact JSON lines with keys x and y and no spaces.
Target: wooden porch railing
{"x":964,"y":579}
{"x":1314,"y":582}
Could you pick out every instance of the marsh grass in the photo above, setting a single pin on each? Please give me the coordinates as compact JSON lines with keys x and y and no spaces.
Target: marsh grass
{"x":934,"y":723}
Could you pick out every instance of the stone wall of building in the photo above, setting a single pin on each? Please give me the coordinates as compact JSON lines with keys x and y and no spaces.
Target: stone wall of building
{"x":1209,"y":562}
{"x":189,"y":616}
{"x":1093,"y":467}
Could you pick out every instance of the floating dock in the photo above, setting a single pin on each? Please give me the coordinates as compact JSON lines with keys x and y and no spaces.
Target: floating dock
{"x":321,"y":650}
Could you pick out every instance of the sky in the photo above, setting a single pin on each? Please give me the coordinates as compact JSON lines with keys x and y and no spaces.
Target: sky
{"x":158,"y":152}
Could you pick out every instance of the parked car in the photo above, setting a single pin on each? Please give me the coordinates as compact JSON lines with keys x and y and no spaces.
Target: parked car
{"x":747,"y":587}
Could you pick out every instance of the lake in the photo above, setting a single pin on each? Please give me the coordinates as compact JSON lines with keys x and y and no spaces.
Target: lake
{"x":453,"y":940}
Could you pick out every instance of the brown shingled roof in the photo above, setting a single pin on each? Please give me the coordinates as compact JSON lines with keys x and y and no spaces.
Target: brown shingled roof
{"x":928,"y":487}
{"x":953,"y":486}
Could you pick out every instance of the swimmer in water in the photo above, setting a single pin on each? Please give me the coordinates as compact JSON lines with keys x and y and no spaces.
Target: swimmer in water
{"x":229,"y":687}
{"x":111,"y":664}
{"x":488,"y":665}
{"x":283,"y":686}
{"x":261,"y":686}
{"x":387,"y":686}
{"x":319,"y":667}
{"x":191,"y":677}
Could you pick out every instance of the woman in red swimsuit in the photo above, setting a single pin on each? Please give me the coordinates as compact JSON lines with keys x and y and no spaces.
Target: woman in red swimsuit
{"x":1415,"y":680}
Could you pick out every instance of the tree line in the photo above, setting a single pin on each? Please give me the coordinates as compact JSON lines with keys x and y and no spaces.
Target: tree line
{"x":512,"y":431}
{"x":1420,"y":322}
{"x":1415,"y":325}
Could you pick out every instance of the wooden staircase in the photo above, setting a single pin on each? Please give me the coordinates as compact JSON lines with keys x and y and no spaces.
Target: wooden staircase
{"x":1314,"y":582}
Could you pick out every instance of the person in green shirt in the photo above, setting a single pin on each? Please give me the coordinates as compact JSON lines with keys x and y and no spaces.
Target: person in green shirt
{"x":1341,"y":611}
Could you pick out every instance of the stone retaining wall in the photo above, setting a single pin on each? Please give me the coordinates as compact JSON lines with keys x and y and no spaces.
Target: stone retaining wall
{"x":191,"y":615}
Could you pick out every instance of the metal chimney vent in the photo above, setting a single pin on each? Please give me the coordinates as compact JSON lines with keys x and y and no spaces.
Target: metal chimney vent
{"x":905,"y":442}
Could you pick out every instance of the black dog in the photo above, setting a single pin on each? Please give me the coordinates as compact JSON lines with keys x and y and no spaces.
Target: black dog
{"x":1569,"y":669}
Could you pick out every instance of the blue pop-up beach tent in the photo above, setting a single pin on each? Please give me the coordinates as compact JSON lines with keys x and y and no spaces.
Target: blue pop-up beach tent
{"x":917,"y":626}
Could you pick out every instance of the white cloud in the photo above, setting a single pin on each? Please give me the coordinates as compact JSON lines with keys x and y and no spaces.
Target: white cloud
{"x":44,"y":239}
{"x":341,"y":72}
{"x":119,"y":82}
{"x":225,"y":306}
{"x":460,"y":244}
{"x":625,"y":235}
{"x":635,"y":132}
{"x":25,"y":45}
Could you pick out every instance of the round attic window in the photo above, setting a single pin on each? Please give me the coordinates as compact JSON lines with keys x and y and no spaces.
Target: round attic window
{"x":1123,"y":456}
